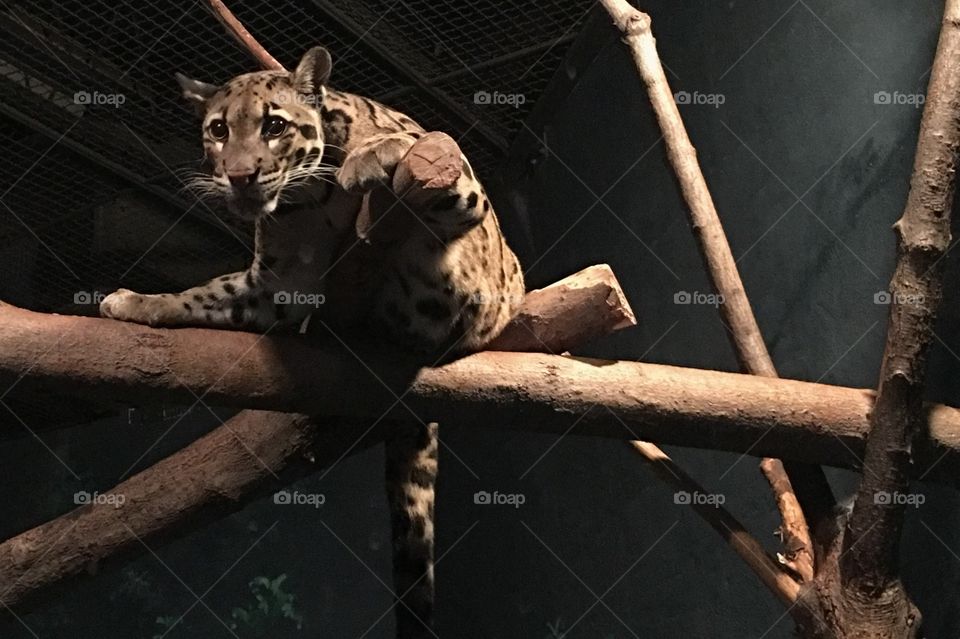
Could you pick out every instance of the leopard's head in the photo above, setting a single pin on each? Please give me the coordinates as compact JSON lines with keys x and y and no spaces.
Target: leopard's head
{"x":262,"y":134}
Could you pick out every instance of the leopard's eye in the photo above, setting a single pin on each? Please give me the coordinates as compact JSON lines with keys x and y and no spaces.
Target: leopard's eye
{"x":219,"y":129}
{"x":274,"y":126}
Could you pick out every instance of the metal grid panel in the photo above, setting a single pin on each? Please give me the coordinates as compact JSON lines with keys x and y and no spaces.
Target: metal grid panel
{"x":505,"y":93}
{"x":89,"y":108}
{"x":439,"y":39}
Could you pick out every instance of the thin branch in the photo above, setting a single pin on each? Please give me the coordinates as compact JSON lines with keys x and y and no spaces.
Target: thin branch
{"x":722,"y":269}
{"x":798,"y":551}
{"x":243,"y":37}
{"x":727,"y":526}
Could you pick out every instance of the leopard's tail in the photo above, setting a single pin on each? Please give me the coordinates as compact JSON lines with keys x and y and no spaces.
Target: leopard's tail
{"x":411,"y":472}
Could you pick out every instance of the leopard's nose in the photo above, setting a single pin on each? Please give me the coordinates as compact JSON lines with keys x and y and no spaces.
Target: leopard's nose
{"x":242,"y":180}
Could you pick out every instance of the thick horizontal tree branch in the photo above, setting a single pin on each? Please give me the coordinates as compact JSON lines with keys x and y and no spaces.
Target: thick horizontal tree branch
{"x":524,"y":391}
{"x":258,"y":451}
{"x":253,"y":453}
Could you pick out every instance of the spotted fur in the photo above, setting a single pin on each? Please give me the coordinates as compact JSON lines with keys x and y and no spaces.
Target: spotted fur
{"x":296,"y":157}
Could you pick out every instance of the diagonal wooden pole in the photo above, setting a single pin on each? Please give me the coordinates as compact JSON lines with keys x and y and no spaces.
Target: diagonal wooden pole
{"x":801,"y":490}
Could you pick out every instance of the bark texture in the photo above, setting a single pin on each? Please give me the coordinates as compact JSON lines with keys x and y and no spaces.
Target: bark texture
{"x":525,"y":391}
{"x":858,"y":593}
{"x":793,"y":484}
{"x":256,"y":452}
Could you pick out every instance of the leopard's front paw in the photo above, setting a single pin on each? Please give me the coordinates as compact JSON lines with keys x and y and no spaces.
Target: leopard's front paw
{"x":373,"y":164}
{"x":128,"y":306}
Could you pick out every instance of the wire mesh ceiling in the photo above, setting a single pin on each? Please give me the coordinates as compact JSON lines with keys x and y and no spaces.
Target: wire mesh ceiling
{"x":96,"y":138}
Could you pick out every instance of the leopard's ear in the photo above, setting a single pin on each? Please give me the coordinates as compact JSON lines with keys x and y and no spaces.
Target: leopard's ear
{"x":195,"y":91}
{"x":313,"y":72}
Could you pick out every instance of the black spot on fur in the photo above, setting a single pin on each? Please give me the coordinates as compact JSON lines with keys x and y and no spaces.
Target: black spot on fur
{"x":186,"y":305}
{"x":308,"y":131}
{"x":434,"y":309}
{"x":447,"y":203}
{"x":418,"y":526}
{"x":208,"y":307}
{"x":422,"y":477}
{"x":197,"y":297}
{"x":224,"y":278}
{"x":486,"y":205}
{"x":372,"y":108}
{"x":213,"y":297}
{"x":299,"y":154}
{"x":229,"y":289}
{"x":472,"y":199}
{"x":336,"y":125}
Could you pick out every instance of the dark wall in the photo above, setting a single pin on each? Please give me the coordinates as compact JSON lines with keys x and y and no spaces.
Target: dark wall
{"x":799,"y":121}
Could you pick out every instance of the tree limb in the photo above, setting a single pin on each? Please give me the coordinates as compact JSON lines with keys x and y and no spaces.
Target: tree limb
{"x":735,"y":310}
{"x":525,"y":391}
{"x":259,"y":451}
{"x":923,"y":234}
{"x":243,"y":37}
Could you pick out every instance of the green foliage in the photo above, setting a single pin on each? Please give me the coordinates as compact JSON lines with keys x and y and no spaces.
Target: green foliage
{"x":273,"y":610}
{"x":272,"y":613}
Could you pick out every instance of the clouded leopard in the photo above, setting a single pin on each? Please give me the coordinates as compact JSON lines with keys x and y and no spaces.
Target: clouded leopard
{"x":295,"y":156}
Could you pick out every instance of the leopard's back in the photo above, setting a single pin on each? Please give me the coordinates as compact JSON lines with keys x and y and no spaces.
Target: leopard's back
{"x":425,"y":285}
